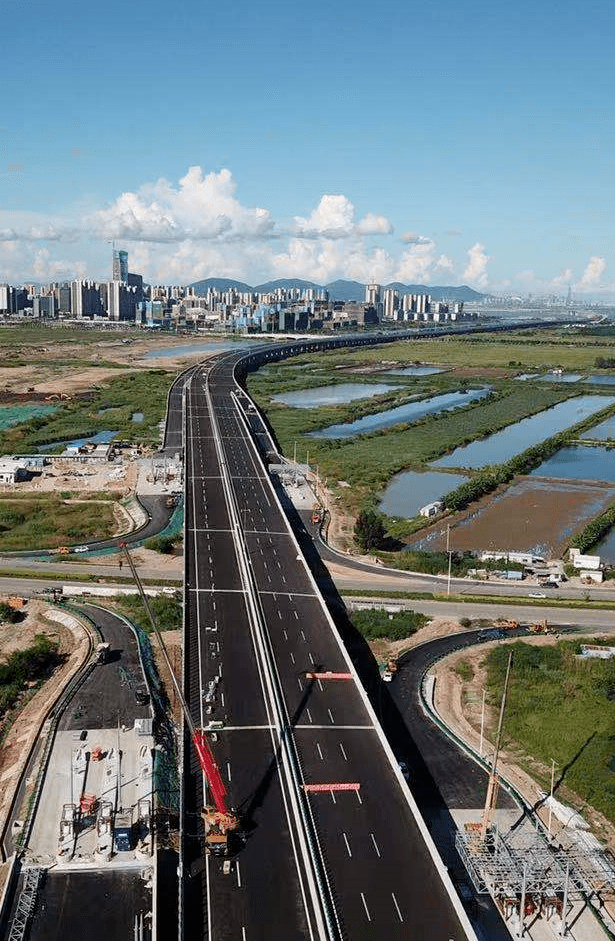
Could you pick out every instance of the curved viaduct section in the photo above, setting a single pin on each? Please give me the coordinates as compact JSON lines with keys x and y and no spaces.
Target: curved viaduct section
{"x":315,"y":863}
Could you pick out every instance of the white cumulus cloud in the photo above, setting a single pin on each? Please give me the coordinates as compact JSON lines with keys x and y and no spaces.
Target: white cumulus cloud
{"x":476,"y":270}
{"x":202,"y":207}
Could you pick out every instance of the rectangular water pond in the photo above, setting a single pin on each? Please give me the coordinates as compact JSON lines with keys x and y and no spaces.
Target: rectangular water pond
{"x":409,"y":491}
{"x":333,"y":395}
{"x":409,"y":412}
{"x":581,"y":462}
{"x":505,"y":444}
{"x":601,"y":432}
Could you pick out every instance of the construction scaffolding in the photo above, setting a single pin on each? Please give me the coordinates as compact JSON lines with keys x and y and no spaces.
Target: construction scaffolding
{"x":25,"y":904}
{"x":526,"y":875}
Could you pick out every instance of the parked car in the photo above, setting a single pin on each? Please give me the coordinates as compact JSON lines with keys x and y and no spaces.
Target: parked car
{"x":537,"y":594}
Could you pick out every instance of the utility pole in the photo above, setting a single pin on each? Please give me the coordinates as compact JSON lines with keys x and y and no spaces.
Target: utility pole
{"x":492,"y":787}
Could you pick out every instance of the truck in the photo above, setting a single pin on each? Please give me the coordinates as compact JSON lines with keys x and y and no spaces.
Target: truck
{"x":316,"y":514}
{"x":390,"y":670}
{"x":122,"y":831}
{"x":103,"y":650}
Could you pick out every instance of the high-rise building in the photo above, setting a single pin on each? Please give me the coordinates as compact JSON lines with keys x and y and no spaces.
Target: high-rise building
{"x":372,"y":294}
{"x":120,"y":266}
{"x":121,"y":301}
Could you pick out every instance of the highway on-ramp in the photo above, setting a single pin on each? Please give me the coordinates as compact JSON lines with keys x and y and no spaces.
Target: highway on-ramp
{"x":354,"y":863}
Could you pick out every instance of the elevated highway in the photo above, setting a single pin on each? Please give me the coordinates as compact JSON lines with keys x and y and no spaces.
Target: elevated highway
{"x":323,"y":864}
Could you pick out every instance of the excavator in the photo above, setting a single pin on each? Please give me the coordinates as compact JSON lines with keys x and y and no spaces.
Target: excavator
{"x":219,"y":823}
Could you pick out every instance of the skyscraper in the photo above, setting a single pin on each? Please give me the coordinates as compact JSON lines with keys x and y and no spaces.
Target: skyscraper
{"x":120,"y":266}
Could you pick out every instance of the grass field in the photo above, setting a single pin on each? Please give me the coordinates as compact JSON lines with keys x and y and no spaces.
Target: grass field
{"x":368,"y":462}
{"x":563,"y":709}
{"x":144,"y":392}
{"x":49,"y":521}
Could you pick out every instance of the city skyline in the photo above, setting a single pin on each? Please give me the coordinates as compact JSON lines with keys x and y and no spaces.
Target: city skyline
{"x":436,"y":146}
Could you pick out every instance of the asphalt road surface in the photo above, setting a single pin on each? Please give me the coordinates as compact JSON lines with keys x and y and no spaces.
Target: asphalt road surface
{"x":255,"y":619}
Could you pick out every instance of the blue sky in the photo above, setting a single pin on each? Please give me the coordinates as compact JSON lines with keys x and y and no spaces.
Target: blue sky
{"x":444,"y":143}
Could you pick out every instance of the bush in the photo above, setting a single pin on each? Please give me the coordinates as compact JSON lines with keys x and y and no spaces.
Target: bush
{"x":7,"y":613}
{"x":374,"y":624}
{"x":163,"y":544}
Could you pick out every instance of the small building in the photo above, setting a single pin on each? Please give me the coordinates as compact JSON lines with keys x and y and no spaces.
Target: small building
{"x":432,"y":509}
{"x":12,"y":471}
{"x":581,"y":561}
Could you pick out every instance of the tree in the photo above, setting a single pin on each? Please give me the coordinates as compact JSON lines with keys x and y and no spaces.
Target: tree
{"x":369,"y":531}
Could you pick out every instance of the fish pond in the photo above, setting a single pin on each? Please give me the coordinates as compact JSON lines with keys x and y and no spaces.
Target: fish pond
{"x":409,"y":412}
{"x":409,"y":491}
{"x":580,"y":462}
{"x":333,"y":395}
{"x":505,"y":444}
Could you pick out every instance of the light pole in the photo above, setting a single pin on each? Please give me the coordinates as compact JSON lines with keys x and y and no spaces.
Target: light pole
{"x":482,"y":726}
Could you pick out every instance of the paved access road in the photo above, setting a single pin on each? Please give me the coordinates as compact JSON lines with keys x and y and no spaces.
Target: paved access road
{"x":255,"y":619}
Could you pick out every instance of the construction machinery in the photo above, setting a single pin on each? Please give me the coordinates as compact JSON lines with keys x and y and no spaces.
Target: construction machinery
{"x":219,"y":822}
{"x":506,"y":624}
{"x":540,"y":627}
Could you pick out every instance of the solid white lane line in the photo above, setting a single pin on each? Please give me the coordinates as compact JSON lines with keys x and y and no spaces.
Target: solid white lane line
{"x":320,"y":686}
{"x":285,"y":635}
{"x":348,"y":846}
{"x":292,"y":656}
{"x":331,"y":715}
{"x":300,"y":684}
{"x":312,"y":661}
{"x":309,"y":715}
{"x":359,"y":797}
{"x":303,"y":634}
{"x":396,"y":906}
{"x":369,"y":917}
{"x":375,"y":845}
{"x":343,"y":752}
{"x":238,"y":873}
{"x":228,"y":771}
{"x":319,"y":750}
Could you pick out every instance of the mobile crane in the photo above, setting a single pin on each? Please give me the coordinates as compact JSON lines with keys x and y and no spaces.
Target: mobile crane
{"x":218,"y":821}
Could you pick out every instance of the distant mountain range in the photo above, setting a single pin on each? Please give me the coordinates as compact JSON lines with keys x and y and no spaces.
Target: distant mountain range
{"x":340,"y":290}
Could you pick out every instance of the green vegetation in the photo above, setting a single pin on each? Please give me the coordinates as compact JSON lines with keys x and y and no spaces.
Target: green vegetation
{"x":561,"y":708}
{"x":374,"y":624}
{"x":594,"y":531}
{"x":25,"y":669}
{"x":144,"y":392}
{"x":163,"y":544}
{"x":46,"y":521}
{"x":369,"y":531}
{"x":167,"y":611}
{"x":8,"y":614}
{"x":465,"y":671}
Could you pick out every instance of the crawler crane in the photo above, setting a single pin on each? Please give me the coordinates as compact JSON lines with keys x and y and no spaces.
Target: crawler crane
{"x":219,"y":823}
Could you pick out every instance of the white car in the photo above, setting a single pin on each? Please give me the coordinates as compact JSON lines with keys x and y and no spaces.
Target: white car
{"x":81,"y":549}
{"x":387,"y":676}
{"x":537,"y":594}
